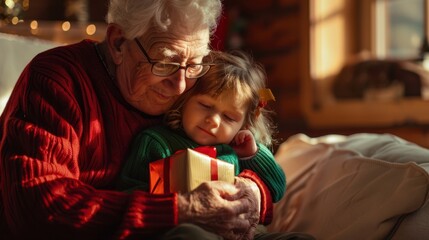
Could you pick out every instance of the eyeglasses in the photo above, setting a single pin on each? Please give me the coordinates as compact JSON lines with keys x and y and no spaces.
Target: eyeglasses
{"x":164,"y":69}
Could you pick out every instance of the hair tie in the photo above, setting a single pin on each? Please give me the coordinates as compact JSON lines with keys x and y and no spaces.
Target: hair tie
{"x":265,"y":95}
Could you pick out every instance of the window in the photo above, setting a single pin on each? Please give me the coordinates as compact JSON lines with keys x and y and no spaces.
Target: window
{"x":399,"y":28}
{"x":342,"y":31}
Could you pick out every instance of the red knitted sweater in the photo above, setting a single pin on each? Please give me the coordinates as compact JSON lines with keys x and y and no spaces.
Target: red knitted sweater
{"x":65,"y":133}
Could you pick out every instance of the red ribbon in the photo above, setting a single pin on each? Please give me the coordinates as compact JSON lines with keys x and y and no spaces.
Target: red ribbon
{"x":207,"y":150}
{"x":213,"y":169}
{"x":167,"y":175}
{"x":211,"y":152}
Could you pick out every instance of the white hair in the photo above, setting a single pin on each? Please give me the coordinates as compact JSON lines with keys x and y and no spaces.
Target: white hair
{"x":137,"y":17}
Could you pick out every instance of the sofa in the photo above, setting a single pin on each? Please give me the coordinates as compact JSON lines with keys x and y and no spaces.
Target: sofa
{"x":361,"y":186}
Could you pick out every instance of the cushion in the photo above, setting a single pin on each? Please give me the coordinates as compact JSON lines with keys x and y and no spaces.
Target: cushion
{"x":336,"y":192}
{"x":394,"y":149}
{"x":414,"y":226}
{"x":386,"y":147}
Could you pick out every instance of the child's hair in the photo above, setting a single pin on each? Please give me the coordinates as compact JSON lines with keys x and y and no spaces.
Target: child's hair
{"x":234,"y":71}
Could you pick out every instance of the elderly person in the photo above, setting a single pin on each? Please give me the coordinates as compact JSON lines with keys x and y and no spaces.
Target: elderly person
{"x":66,"y":131}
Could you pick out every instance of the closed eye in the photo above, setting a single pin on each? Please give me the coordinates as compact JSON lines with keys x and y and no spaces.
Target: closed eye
{"x":229,"y":119}
{"x":204,"y":105}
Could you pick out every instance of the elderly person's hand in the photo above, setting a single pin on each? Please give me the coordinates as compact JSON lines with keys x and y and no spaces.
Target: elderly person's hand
{"x":231,"y":211}
{"x":254,"y":196}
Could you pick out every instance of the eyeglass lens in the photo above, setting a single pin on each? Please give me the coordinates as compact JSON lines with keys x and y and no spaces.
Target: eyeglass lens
{"x":191,"y":71}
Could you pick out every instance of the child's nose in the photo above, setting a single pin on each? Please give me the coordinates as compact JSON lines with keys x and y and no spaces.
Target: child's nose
{"x":213,"y":120}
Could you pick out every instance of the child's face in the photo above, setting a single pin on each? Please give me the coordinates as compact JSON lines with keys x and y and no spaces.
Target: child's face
{"x":210,"y":121}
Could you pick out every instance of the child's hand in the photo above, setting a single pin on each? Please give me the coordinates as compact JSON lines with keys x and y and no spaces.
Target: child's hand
{"x":244,"y":144}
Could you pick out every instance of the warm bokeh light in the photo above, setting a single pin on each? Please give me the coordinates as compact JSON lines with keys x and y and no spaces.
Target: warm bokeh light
{"x":26,"y":5}
{"x":34,"y":24}
{"x":91,"y":29}
{"x":9,"y":3}
{"x":66,"y":26}
{"x":15,"y":20}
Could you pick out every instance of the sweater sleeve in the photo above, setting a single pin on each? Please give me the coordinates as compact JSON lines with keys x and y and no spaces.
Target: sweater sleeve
{"x":135,"y":174}
{"x":266,"y":211}
{"x":268,"y":170}
{"x":226,"y":153}
{"x":42,"y":187}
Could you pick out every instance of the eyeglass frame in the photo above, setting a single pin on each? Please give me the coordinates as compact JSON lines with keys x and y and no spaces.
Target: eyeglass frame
{"x":151,"y":61}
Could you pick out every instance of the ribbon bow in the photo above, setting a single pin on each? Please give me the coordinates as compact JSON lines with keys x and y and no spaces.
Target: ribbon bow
{"x":265,"y":95}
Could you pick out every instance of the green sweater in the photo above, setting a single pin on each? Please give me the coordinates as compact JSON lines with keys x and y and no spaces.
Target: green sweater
{"x":161,"y":142}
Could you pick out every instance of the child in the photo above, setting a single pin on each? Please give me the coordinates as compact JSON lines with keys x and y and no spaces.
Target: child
{"x":223,"y":109}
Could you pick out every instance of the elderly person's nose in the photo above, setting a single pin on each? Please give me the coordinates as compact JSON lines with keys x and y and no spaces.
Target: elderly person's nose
{"x":178,"y":81}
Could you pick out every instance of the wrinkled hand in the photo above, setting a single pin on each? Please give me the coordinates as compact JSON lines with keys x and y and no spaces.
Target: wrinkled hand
{"x":244,"y":144}
{"x":222,"y":208}
{"x":254,"y":197}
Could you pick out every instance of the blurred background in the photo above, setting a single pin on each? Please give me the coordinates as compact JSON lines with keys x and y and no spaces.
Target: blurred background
{"x":334,"y":66}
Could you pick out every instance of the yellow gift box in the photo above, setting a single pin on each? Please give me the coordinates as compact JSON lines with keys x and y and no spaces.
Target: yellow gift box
{"x":185,"y":170}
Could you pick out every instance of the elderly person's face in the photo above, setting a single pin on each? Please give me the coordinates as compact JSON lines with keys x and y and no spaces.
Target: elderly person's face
{"x":153,"y":94}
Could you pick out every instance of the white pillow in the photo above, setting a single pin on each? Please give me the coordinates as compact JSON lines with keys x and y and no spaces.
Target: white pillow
{"x":337,"y":193}
{"x":385,"y":147}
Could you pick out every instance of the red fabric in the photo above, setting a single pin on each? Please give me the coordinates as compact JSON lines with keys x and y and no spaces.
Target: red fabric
{"x":266,"y":201}
{"x":64,"y":136}
{"x":167,"y":174}
{"x":207,"y":150}
{"x":220,"y":35}
{"x":213,"y":170}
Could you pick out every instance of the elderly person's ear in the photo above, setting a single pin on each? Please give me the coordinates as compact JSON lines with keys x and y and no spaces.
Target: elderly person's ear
{"x":115,"y":38}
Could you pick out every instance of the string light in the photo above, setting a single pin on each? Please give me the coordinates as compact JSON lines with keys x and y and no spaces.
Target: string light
{"x":26,"y":5}
{"x":10,"y":10}
{"x":91,"y":29}
{"x":66,"y":26}
{"x":12,"y":15}
{"x":15,"y":20}
{"x":10,"y":4}
{"x":34,"y":24}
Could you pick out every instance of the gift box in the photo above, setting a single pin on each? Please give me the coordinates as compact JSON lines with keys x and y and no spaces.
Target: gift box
{"x":186,"y":169}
